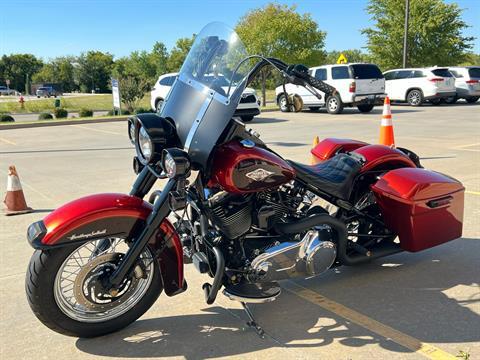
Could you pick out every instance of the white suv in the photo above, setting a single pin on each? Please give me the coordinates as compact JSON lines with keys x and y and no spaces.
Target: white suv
{"x":467,"y":83}
{"x":416,"y":85}
{"x":360,"y":85}
{"x":248,"y":108}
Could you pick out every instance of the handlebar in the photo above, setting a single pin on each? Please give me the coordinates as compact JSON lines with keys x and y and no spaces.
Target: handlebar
{"x":296,"y":74}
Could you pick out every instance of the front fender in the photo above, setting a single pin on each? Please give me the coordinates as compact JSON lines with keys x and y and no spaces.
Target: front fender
{"x":111,"y":215}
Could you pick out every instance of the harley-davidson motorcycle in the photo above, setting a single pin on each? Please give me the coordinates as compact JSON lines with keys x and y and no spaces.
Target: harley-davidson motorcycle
{"x":233,"y":207}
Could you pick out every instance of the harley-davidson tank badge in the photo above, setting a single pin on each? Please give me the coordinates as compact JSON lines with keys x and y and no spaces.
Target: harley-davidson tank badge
{"x":259,"y":174}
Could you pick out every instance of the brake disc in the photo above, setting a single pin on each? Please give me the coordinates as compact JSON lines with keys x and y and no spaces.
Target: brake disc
{"x":88,"y":290}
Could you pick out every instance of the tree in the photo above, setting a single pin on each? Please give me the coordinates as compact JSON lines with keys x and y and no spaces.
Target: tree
{"x":18,"y":68}
{"x":59,"y":70}
{"x":94,"y":70}
{"x":179,"y":53}
{"x":434,"y":36}
{"x":280,"y":31}
{"x":471,"y":59}
{"x":133,"y":90}
{"x":352,"y":55}
{"x":144,"y":65}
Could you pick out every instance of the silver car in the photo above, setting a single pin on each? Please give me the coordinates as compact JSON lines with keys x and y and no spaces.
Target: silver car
{"x":6,"y":91}
{"x":47,"y":91}
{"x":467,"y":83}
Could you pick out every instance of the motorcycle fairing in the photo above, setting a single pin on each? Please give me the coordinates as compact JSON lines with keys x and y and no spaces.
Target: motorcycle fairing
{"x":110,"y":215}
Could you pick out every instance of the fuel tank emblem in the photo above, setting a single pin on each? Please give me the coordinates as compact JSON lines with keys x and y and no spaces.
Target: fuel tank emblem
{"x":259,"y":174}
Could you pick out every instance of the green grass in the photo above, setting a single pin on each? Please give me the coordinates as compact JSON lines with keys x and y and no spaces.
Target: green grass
{"x":61,"y":120}
{"x":73,"y":104}
{"x":93,"y":102}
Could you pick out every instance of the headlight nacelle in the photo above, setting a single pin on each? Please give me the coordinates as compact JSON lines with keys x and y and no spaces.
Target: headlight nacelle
{"x":151,"y":134}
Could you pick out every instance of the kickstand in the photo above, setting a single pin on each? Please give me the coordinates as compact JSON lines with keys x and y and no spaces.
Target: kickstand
{"x":252,"y":323}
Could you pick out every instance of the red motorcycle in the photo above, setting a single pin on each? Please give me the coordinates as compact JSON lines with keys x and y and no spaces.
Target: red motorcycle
{"x":231,"y":206}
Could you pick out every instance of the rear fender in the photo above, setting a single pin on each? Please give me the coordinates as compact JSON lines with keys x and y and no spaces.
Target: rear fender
{"x":329,"y":147}
{"x":381,"y":157}
{"x":111,"y":215}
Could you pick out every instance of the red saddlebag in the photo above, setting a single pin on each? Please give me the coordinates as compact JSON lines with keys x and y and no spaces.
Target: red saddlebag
{"x":424,"y":208}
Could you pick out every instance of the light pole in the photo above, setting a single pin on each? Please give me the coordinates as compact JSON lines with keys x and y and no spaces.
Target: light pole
{"x":405,"y":34}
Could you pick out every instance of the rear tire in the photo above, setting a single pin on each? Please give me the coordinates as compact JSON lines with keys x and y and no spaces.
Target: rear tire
{"x":451,"y":100}
{"x":415,"y":97}
{"x":365,"y":108}
{"x":334,"y":104}
{"x":472,"y":100}
{"x":40,"y":286}
{"x":247,"y":118}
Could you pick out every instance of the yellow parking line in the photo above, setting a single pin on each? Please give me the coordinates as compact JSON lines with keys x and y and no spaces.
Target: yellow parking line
{"x":98,"y":130}
{"x":472,"y":192}
{"x":7,"y":141}
{"x":364,"y":321}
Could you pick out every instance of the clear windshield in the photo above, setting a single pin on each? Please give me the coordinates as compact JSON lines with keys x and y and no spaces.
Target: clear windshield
{"x":207,"y":90}
{"x":214,"y":58}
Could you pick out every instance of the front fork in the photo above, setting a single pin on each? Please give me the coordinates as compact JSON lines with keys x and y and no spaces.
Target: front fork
{"x":161,"y":209}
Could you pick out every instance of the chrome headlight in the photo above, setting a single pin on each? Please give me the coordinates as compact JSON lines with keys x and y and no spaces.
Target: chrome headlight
{"x":152,"y":134}
{"x":145,"y":144}
{"x":176,"y":163}
{"x":131,"y":130}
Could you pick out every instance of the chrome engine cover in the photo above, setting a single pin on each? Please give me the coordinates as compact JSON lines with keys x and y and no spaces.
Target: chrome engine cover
{"x":309,"y":257}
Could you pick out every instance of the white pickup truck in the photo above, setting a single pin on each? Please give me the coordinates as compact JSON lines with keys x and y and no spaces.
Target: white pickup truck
{"x":360,"y":85}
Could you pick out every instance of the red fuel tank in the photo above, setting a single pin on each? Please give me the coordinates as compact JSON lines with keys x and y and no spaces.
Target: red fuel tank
{"x":240,"y":168}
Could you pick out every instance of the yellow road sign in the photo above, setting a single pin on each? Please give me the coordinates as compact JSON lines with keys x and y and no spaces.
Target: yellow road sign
{"x":342,"y":59}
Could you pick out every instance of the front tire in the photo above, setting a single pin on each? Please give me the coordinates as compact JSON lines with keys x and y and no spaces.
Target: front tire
{"x":472,"y":100}
{"x":81,"y":319}
{"x":415,"y":97}
{"x":282,"y":103}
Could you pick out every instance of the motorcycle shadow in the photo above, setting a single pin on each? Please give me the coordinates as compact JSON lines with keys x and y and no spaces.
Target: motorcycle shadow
{"x":428,"y":296}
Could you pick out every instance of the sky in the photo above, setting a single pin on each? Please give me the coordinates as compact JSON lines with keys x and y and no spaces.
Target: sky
{"x":50,"y":28}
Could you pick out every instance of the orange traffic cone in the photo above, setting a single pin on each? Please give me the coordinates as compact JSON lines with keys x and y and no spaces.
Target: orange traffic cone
{"x":386,"y":128}
{"x":15,"y":200}
{"x":314,"y":160}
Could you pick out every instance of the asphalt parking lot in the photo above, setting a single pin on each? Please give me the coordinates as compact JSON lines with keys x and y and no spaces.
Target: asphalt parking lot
{"x":407,"y":306}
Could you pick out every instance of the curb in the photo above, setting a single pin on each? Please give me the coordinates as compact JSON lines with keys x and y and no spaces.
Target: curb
{"x":60,"y":123}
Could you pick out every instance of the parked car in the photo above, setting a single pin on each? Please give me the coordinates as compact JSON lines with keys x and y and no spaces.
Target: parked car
{"x":417,"y":85}
{"x":47,"y":91}
{"x":5,"y":91}
{"x":248,"y":108}
{"x":360,"y":85}
{"x":467,"y":83}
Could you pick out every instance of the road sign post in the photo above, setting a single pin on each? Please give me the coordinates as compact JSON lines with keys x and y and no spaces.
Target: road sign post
{"x":116,"y":97}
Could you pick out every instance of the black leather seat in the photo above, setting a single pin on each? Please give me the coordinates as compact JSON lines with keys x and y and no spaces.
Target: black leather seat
{"x":334,"y":176}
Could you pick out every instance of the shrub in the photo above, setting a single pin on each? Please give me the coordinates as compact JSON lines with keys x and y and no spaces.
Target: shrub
{"x":112,"y":113}
{"x":45,"y":116}
{"x":85,"y":113}
{"x":142,"y":110}
{"x":6,"y":118}
{"x":60,"y":113}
